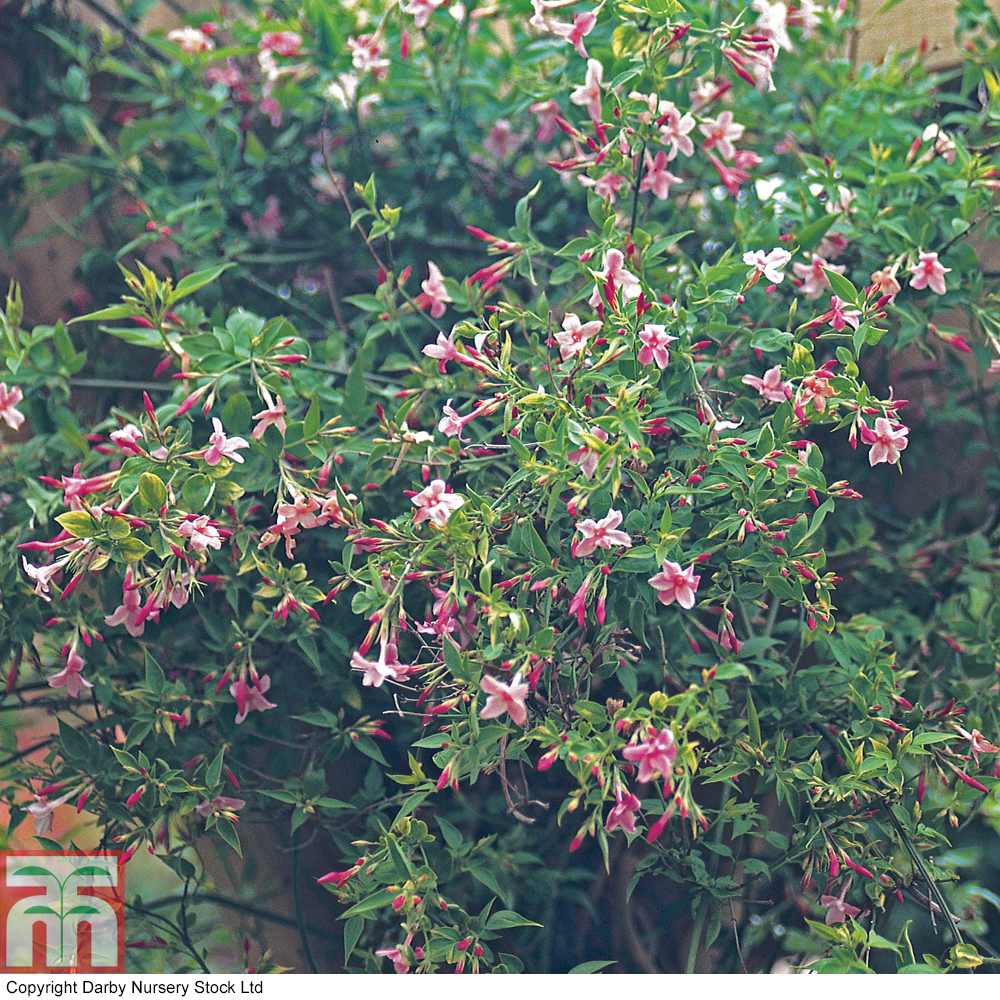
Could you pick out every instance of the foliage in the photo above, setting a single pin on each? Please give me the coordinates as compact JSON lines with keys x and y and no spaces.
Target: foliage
{"x":568,"y":548}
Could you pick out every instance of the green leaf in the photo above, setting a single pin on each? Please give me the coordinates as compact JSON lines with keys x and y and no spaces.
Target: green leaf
{"x":486,"y":876}
{"x":508,"y":918}
{"x":214,"y":773}
{"x":589,"y":968}
{"x":112,"y":312}
{"x":236,"y":414}
{"x":79,"y":523}
{"x":192,"y":282}
{"x":753,"y":721}
{"x":152,"y":491}
{"x":842,"y":287}
{"x":452,"y":835}
{"x":354,"y":389}
{"x":155,"y":681}
{"x":352,"y":932}
{"x":228,"y":833}
{"x":310,"y":425}
{"x":376,"y":901}
{"x":196,"y":492}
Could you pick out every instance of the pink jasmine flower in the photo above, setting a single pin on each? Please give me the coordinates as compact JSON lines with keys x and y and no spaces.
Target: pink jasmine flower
{"x":128,"y":611}
{"x":839,"y":317}
{"x":190,"y":40}
{"x":284,"y":43}
{"x":451,"y":424}
{"x":501,"y":141}
{"x":128,"y":438}
{"x":601,"y":534}
{"x":395,"y":956}
{"x":816,"y":389}
{"x":444,"y":350}
{"x":221,"y":446}
{"x":434,"y":502}
{"x":674,"y":129}
{"x":657,"y":178}
{"x":623,"y":811}
{"x":368,"y":54}
{"x":575,"y":33}
{"x":421,"y":10}
{"x":274,"y":416}
{"x":977,"y":743}
{"x":588,"y":94}
{"x":339,"y":878}
{"x":586,"y":457}
{"x":444,"y":619}
{"x":943,"y":145}
{"x":202,"y":534}
{"x":887,"y":441}
{"x":606,"y":186}
{"x":573,"y":336}
{"x":502,"y":698}
{"x":773,"y":22}
{"x":9,"y":398}
{"x":768,"y":264}
{"x":654,"y":338}
{"x":220,"y":803}
{"x":251,"y":699}
{"x":578,"y":605}
{"x":674,"y":584}
{"x":434,"y":294}
{"x":929,"y":272}
{"x":42,"y":575}
{"x":814,"y":280}
{"x":655,"y":758}
{"x":41,"y":811}
{"x":69,"y":677}
{"x":884,"y":281}
{"x":615,"y":272}
{"x":730,"y":177}
{"x":386,"y":667}
{"x":770,"y":386}
{"x":546,"y":112}
{"x":837,"y":910}
{"x":721,"y":133}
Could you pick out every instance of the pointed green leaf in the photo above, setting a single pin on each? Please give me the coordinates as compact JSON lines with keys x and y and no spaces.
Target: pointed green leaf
{"x":152,"y":492}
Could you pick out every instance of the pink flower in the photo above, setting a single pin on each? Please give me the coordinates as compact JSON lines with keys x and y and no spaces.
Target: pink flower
{"x":546,"y":112}
{"x":730,"y":177}
{"x":656,"y":758}
{"x":220,"y":803}
{"x":502,"y":698}
{"x":444,"y":350}
{"x":284,"y":43}
{"x":41,"y":811}
{"x":42,"y":575}
{"x":274,"y":416}
{"x":654,"y":338}
{"x":586,"y":457}
{"x":884,"y":281}
{"x":573,"y":336}
{"x":674,"y":129}
{"x":434,"y":502}
{"x":606,"y":186}
{"x":395,"y":956}
{"x":838,"y":317}
{"x":368,"y":54}
{"x":887,"y":441}
{"x":202,"y":534}
{"x":501,"y":141}
{"x":657,"y":178}
{"x":770,"y":386}
{"x":421,"y":10}
{"x":128,"y":438}
{"x":837,"y":910}
{"x":813,"y":275}
{"x":386,"y":667}
{"x":601,"y":534}
{"x":674,"y":584}
{"x":9,"y":398}
{"x":623,"y":812}
{"x":929,"y":272}
{"x":434,"y":295}
{"x":451,"y":424}
{"x":721,"y":134}
{"x":615,"y":273}
{"x":578,"y":605}
{"x":69,"y":677}
{"x":977,"y":743}
{"x":575,"y":33}
{"x":221,"y":446}
{"x":251,"y":699}
{"x":943,"y":145}
{"x":588,"y":94}
{"x":768,"y":264}
{"x":127,"y":612}
{"x":191,"y":40}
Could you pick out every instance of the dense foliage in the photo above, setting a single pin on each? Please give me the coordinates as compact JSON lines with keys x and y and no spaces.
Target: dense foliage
{"x":511,"y":406}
